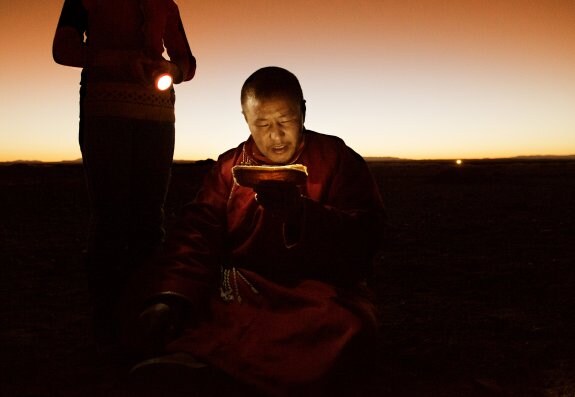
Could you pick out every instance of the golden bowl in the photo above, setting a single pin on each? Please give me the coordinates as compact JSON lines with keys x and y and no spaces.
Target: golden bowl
{"x":253,"y":175}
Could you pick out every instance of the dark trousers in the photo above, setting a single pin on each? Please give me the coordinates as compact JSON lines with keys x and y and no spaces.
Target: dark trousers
{"x":127,"y":166}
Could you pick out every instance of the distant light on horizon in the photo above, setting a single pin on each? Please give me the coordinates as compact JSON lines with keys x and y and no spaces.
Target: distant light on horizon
{"x":458,"y":162}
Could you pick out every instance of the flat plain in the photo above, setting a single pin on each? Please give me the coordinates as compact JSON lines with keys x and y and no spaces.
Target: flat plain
{"x":475,"y":280}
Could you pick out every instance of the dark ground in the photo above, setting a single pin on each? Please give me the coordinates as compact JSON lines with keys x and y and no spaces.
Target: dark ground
{"x":475,"y":283}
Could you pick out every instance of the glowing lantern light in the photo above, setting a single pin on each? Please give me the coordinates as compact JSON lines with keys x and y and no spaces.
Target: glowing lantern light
{"x":163,"y":82}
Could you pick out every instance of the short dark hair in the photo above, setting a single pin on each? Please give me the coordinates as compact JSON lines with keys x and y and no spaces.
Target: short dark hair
{"x":272,"y":81}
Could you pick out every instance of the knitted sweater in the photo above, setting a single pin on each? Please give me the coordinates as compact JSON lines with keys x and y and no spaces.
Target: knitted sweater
{"x":119,"y":44}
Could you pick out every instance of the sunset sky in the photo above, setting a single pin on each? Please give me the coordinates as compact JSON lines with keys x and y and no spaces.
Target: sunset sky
{"x":402,"y":78}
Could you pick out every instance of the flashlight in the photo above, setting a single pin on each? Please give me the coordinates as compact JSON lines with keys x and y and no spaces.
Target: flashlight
{"x":163,"y":81}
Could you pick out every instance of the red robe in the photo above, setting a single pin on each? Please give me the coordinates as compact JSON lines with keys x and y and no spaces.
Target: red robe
{"x":281,"y":313}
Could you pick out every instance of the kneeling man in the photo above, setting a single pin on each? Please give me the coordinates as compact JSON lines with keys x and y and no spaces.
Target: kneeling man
{"x":264,"y":277}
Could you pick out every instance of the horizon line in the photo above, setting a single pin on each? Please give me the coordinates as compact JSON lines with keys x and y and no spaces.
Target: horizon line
{"x":366,"y":158}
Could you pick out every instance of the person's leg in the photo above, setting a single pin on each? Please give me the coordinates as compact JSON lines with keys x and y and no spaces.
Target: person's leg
{"x":81,"y":116}
{"x":106,"y":152}
{"x":153,"y":151}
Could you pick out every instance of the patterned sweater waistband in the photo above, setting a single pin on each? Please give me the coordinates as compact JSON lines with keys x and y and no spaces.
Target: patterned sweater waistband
{"x":128,"y":100}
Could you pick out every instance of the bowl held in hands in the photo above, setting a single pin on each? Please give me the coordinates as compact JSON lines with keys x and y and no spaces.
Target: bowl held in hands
{"x":254,"y":175}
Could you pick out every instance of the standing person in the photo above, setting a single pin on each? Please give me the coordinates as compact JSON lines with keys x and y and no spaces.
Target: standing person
{"x":265,"y":277}
{"x":126,"y":129}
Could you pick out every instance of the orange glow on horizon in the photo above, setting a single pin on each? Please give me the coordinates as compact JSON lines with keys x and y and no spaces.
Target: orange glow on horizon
{"x":421,"y":79}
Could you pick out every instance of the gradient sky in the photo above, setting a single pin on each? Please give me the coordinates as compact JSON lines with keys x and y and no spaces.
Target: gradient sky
{"x":402,"y":78}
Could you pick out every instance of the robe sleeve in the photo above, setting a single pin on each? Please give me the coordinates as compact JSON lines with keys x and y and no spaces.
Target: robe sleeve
{"x":341,"y":234}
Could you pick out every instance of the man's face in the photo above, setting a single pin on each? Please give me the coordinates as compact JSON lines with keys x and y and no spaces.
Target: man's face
{"x":276,"y":126}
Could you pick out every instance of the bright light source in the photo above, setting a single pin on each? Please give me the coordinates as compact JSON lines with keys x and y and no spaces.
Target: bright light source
{"x":163,"y":82}
{"x":458,"y":162}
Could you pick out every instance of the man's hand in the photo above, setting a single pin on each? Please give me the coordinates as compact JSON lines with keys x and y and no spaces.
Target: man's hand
{"x":153,"y":328}
{"x":282,"y":199}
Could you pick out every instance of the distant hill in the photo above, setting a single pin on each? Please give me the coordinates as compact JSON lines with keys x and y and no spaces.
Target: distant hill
{"x":545,"y":157}
{"x":524,"y":158}
{"x":197,"y":162}
{"x":38,"y":162}
{"x":31,"y":162}
{"x":385,"y":159}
